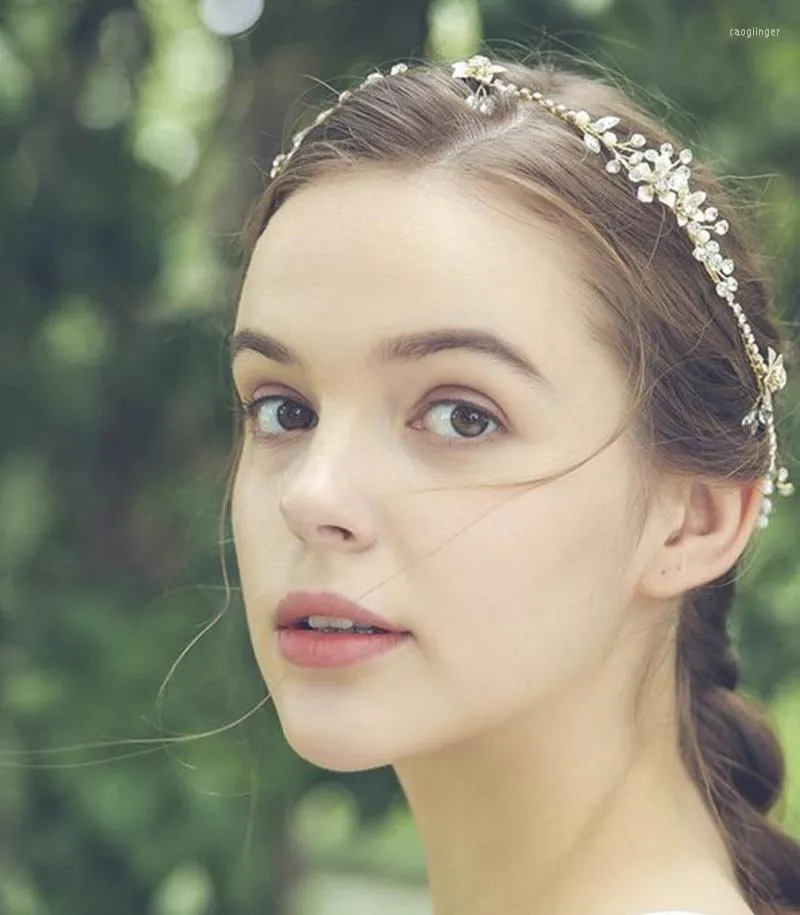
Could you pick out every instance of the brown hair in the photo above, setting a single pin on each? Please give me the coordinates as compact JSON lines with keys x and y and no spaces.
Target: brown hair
{"x":663,"y":319}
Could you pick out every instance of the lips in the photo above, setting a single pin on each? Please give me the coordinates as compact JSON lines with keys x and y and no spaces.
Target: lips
{"x":299,"y":604}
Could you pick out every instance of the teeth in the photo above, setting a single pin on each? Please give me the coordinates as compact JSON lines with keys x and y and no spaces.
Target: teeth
{"x":329,"y":622}
{"x":336,"y":624}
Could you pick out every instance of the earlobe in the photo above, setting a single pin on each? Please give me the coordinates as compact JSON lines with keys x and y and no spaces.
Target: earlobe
{"x":666,"y":579}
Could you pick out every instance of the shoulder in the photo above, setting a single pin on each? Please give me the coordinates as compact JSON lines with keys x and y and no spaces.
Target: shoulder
{"x":739,"y":908}
{"x":709,"y":900}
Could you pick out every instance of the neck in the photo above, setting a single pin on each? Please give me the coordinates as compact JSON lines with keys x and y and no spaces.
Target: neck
{"x":552,"y":814}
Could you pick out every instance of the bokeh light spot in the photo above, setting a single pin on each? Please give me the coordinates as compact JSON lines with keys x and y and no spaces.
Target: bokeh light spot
{"x":231,"y":17}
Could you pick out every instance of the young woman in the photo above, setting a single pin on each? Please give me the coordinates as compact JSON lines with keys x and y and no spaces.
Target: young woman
{"x":506,"y":372}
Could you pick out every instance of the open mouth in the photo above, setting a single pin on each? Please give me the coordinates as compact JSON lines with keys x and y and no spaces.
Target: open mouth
{"x":344,"y":629}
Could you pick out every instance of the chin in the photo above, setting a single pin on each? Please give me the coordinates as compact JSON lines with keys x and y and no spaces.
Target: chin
{"x":337,"y":753}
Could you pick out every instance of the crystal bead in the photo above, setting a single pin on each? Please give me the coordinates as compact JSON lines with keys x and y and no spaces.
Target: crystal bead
{"x":613,"y":166}
{"x":651,"y":155}
{"x":677,"y":181}
{"x":783,"y":475}
{"x":605,"y":123}
{"x":666,"y":149}
{"x":711,"y":213}
{"x":727,"y":265}
{"x":713,"y":247}
{"x":398,"y":68}
{"x":732,"y":283}
{"x":722,"y":290}
{"x":609,"y":138}
{"x":721,"y":227}
{"x":592,"y":142}
{"x":685,"y":155}
{"x":635,"y":158}
{"x":645,"y":193}
{"x":637,"y":140}
{"x":703,"y":235}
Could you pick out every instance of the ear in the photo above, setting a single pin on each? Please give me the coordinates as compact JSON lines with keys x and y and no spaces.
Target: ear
{"x":714,"y":524}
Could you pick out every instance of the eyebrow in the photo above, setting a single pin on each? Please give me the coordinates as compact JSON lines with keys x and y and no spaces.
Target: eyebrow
{"x":408,"y":347}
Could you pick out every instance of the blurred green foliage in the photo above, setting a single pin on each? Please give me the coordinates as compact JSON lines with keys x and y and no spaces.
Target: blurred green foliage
{"x":133,"y":137}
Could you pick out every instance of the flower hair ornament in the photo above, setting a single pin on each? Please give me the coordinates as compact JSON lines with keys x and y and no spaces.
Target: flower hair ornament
{"x":659,"y":176}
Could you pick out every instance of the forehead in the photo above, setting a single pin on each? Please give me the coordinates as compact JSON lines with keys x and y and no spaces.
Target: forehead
{"x":374,"y":253}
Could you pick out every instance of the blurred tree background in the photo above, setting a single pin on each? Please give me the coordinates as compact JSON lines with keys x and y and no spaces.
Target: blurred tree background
{"x":133,"y":137}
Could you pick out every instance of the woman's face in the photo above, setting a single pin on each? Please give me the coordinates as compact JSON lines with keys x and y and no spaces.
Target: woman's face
{"x":373,"y":487}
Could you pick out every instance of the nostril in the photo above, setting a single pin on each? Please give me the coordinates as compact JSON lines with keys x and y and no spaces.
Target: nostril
{"x":336,"y":531}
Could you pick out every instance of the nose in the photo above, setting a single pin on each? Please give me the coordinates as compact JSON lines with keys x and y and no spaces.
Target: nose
{"x":324,"y":504}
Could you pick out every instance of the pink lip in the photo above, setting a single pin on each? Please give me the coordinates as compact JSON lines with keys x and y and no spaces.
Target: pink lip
{"x":299,"y":604}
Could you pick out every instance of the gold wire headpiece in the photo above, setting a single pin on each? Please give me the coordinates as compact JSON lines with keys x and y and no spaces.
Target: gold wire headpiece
{"x":660,"y":177}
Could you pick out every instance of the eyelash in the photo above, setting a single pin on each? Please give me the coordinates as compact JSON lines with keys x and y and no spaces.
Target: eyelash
{"x":249,"y":409}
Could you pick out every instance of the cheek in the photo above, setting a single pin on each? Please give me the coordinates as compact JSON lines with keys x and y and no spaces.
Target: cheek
{"x":254,"y":509}
{"x":527,"y":596}
{"x":243,"y":507}
{"x":259,"y":555}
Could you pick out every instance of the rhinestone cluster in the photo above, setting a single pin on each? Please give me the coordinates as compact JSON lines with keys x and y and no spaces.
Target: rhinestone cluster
{"x":661,"y":175}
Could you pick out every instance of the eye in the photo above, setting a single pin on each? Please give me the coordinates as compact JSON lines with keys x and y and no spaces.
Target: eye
{"x":467,"y":419}
{"x":261,"y":411}
{"x":274,"y":412}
